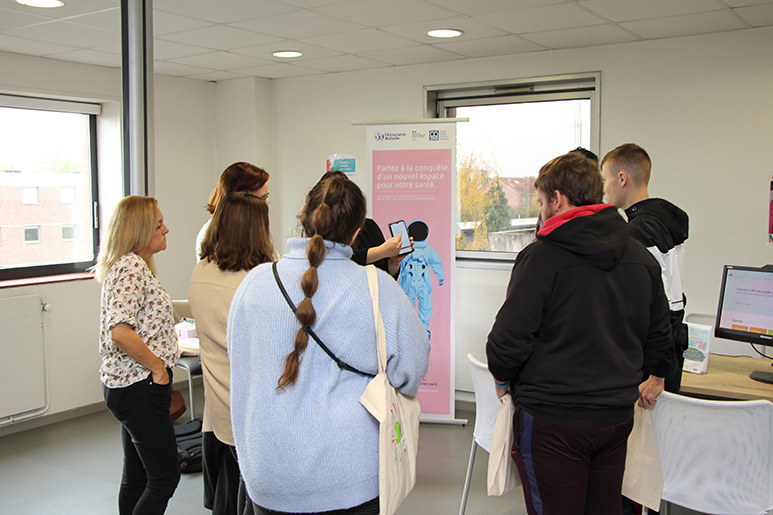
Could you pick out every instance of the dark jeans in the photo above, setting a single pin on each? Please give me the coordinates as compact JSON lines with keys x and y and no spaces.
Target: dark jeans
{"x":150,"y":468}
{"x":221,"y":475}
{"x":569,"y":470}
{"x":368,"y":508}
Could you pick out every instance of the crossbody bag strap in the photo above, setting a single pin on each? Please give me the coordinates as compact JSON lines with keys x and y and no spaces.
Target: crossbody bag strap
{"x":341,"y":364}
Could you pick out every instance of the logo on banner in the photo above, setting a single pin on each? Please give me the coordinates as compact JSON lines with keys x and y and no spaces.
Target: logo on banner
{"x":434,"y":135}
{"x":389,"y":136}
{"x":418,"y":135}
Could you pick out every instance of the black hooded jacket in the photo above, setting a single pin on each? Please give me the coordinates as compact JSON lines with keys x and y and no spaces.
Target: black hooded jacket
{"x":584,"y":319}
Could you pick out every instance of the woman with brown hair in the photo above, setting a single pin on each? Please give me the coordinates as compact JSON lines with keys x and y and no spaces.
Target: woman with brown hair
{"x":240,"y":176}
{"x":238,"y":239}
{"x":305,"y":443}
{"x":138,"y":348}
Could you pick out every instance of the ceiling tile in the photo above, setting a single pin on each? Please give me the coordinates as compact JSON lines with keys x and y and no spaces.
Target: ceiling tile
{"x":345,"y":63}
{"x":163,"y":50}
{"x":297,"y":24}
{"x":377,"y":13}
{"x":358,"y":41}
{"x":109,"y":19}
{"x":743,"y":3}
{"x":220,"y":11}
{"x":167,"y":23}
{"x":486,"y":6}
{"x":14,"y":19}
{"x":111,"y":48}
{"x":308,"y":4}
{"x":758,"y":15}
{"x":219,"y":37}
{"x":581,"y":37}
{"x":266,"y":51}
{"x":676,"y":26}
{"x":85,"y":55}
{"x":30,"y":47}
{"x":628,"y":10}
{"x":216,"y":76}
{"x":70,"y":8}
{"x":70,"y":34}
{"x":178,"y":70}
{"x":220,"y":61}
{"x":277,"y":71}
{"x":412,"y":55}
{"x":538,"y":19}
{"x":501,"y":45}
{"x":417,"y":31}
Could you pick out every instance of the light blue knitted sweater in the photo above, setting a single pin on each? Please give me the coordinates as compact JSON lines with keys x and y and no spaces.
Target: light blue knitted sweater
{"x":313,"y":447}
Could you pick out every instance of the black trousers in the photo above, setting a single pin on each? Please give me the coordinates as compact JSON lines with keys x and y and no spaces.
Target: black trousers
{"x":150,"y":469}
{"x":221,"y":475}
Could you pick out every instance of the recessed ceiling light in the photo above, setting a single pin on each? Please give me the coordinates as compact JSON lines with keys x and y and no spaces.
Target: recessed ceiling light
{"x":445,"y":33}
{"x":287,"y":54}
{"x":41,"y":3}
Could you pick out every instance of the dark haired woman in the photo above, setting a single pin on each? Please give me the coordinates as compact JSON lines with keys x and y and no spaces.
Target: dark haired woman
{"x":238,"y":177}
{"x":238,"y":240}
{"x":305,"y":443}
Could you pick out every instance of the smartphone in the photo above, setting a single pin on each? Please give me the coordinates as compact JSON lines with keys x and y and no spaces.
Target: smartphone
{"x":399,"y":227}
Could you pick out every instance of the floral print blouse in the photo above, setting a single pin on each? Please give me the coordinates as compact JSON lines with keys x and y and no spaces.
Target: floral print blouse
{"x":131,"y":294}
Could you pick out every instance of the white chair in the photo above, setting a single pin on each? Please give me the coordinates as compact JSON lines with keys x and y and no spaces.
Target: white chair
{"x":717,"y":456}
{"x":486,"y":410}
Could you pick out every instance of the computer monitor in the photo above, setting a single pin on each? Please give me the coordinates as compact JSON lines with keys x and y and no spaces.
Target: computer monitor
{"x":745,"y":311}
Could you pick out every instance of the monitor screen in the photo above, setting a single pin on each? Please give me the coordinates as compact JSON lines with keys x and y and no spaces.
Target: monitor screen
{"x":745,"y":310}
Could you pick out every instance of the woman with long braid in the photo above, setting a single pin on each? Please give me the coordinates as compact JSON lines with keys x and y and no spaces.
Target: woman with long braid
{"x":305,"y":443}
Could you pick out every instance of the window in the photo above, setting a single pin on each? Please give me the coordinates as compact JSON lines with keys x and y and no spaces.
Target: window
{"x":30,"y":196}
{"x":68,"y":232}
{"x":67,"y":195}
{"x":514,"y":128}
{"x":32,"y":234}
{"x":48,"y":150}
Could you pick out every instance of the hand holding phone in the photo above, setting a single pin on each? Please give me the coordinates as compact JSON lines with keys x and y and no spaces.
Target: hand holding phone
{"x":400,"y":228}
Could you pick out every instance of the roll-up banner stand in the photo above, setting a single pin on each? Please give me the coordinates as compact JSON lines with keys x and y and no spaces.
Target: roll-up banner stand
{"x":412,"y":168}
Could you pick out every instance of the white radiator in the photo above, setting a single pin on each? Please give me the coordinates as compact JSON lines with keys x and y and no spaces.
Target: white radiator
{"x":23,"y":388}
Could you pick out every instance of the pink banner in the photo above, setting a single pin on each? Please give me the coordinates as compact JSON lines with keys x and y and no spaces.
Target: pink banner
{"x":416,"y":185}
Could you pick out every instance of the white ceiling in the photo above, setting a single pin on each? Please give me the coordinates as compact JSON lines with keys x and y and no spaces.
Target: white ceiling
{"x":224,"y":39}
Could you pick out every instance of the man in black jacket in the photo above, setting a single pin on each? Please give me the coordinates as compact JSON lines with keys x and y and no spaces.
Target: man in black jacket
{"x":573,"y":343}
{"x":660,"y":226}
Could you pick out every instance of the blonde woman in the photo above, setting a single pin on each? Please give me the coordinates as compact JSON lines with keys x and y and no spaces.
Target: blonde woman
{"x":138,"y":348}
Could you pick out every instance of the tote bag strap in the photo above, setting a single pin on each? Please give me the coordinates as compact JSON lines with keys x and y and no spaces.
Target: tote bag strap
{"x":379,"y":322}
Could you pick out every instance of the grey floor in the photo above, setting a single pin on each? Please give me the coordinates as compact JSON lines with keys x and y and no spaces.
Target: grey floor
{"x":74,"y":467}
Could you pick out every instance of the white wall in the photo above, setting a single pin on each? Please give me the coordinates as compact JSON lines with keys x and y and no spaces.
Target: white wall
{"x":700,"y":105}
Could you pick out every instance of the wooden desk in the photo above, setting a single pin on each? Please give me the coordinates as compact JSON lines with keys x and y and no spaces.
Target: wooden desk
{"x":728,"y":378}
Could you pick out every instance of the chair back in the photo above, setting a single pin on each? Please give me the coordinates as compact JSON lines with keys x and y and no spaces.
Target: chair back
{"x":486,"y":402}
{"x":717,"y":456}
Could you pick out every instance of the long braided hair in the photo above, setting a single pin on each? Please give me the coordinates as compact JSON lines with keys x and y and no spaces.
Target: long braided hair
{"x":334,"y":211}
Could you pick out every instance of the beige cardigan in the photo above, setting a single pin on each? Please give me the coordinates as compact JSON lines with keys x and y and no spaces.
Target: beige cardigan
{"x":210,"y":295}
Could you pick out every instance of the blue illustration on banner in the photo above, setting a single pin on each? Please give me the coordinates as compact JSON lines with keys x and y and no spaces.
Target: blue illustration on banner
{"x":414,"y":276}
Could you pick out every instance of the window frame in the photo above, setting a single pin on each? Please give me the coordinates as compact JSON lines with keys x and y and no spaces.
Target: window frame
{"x":27,"y":228}
{"x":92,"y":110}
{"x":440,"y":98}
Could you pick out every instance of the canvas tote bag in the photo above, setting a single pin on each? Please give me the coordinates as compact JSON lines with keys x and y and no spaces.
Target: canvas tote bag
{"x":398,"y":417}
{"x":643,"y":477}
{"x":502,"y":472}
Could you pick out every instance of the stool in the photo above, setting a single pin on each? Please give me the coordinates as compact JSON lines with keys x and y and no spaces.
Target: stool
{"x":192,"y":365}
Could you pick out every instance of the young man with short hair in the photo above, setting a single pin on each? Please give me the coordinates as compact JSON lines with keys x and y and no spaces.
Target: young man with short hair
{"x":660,"y":226}
{"x":573,"y":345}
